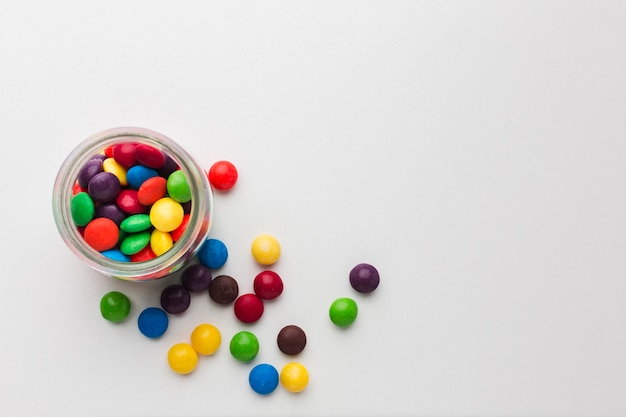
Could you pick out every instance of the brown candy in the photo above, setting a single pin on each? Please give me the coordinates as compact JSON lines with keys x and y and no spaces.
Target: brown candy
{"x":291,"y":340}
{"x":223,"y":289}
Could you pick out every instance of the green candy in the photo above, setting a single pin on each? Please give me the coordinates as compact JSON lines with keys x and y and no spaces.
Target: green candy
{"x":114,"y":306}
{"x":82,"y":208}
{"x":343,"y":311}
{"x":178,"y":187}
{"x":244,"y":346}
{"x":134,"y":243}
{"x":136,"y":223}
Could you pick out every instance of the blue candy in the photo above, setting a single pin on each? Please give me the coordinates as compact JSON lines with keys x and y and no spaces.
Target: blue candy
{"x":153,"y":322}
{"x":137,"y":174}
{"x":115,"y":255}
{"x":263,"y":379}
{"x":213,"y":253}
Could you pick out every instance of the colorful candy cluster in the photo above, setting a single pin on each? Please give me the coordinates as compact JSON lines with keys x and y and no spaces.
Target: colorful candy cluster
{"x":131,"y":202}
{"x":244,"y":345}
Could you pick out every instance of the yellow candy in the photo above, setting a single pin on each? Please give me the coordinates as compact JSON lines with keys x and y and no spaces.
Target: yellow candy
{"x":294,"y":377}
{"x":265,"y":249}
{"x":205,"y":339}
{"x":182,"y":358}
{"x":166,"y":214}
{"x":160,"y":242}
{"x":112,"y":166}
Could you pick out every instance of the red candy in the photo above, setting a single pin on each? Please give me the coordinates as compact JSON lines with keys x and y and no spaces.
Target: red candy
{"x":124,"y":154}
{"x":149,"y":156}
{"x":101,"y":234}
{"x":128,"y":202}
{"x":268,"y":285}
{"x":152,"y":190}
{"x":178,"y":232}
{"x":143,"y":255}
{"x":223,"y":175}
{"x":77,"y":189}
{"x":248,"y":308}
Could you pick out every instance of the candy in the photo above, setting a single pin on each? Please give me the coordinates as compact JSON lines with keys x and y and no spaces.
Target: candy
{"x":149,"y":156}
{"x":213,"y":253}
{"x":110,"y":211}
{"x":196,"y":278}
{"x":364,"y":278}
{"x":115,"y":255}
{"x":294,"y":377}
{"x":136,"y":223}
{"x":152,"y":190}
{"x":152,"y":322}
{"x":223,"y":289}
{"x":291,"y":340}
{"x":104,"y":187}
{"x":86,"y":173}
{"x":248,"y":308}
{"x":138,"y":174}
{"x":222,"y":175}
{"x":206,"y":339}
{"x":175,"y":299}
{"x":82,"y":209}
{"x":168,"y":167}
{"x":268,"y":285}
{"x":244,"y":346}
{"x":343,"y":311}
{"x":128,"y":202}
{"x":166,"y":214}
{"x":114,"y":306}
{"x":101,"y":234}
{"x":143,"y":255}
{"x":112,"y":166}
{"x":160,"y":242}
{"x":265,"y":249}
{"x":180,"y":230}
{"x":182,"y":358}
{"x":178,"y":187}
{"x":134,"y":243}
{"x":124,"y":153}
{"x":263,"y":379}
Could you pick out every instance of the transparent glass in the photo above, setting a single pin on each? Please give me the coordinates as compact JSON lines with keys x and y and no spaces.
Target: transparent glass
{"x":183,"y":250}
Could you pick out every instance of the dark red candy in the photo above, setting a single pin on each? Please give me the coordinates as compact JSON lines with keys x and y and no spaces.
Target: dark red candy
{"x":86,"y":173}
{"x":268,"y":285}
{"x":223,"y":289}
{"x":104,"y":187}
{"x":110,"y":211}
{"x":149,"y":156}
{"x":196,"y":278}
{"x":124,"y":154}
{"x":128,"y":202}
{"x":248,"y":308}
{"x":175,"y":299}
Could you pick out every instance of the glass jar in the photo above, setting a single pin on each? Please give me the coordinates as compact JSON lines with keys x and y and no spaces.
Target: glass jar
{"x":183,"y":250}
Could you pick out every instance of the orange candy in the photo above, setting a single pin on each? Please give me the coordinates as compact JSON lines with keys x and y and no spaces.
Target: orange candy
{"x":101,"y":234}
{"x":152,"y":190}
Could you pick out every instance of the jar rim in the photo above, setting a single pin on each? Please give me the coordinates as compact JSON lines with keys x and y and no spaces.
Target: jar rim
{"x":184,"y":248}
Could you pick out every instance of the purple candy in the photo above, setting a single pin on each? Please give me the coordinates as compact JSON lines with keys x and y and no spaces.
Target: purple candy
{"x":186,"y":207}
{"x":168,"y":167}
{"x":86,"y":173}
{"x":364,"y":278}
{"x":99,"y":156}
{"x":175,"y":299}
{"x":110,"y":211}
{"x":196,"y":278}
{"x":104,"y":187}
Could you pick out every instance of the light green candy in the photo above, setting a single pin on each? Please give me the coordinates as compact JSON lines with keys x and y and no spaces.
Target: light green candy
{"x":82,"y":208}
{"x":178,"y":187}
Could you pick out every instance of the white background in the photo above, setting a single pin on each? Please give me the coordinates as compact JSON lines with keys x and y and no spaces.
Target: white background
{"x":474,"y":152}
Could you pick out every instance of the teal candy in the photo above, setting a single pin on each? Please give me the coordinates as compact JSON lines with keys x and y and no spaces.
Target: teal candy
{"x":178,"y":187}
